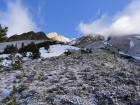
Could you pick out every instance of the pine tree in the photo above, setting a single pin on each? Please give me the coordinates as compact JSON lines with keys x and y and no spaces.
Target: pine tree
{"x":22,"y":45}
{"x":3,"y":33}
{"x":47,"y":46}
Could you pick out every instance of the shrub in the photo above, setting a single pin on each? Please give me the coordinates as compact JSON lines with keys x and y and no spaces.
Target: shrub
{"x":22,"y":88}
{"x":68,"y":52}
{"x":45,"y":44}
{"x":10,"y":49}
{"x":32,"y":47}
{"x":22,"y":45}
{"x":90,"y":50}
{"x":17,"y":65}
{"x":1,"y":61}
{"x":83,"y":51}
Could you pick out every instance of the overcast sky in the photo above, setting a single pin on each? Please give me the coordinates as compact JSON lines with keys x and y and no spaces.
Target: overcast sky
{"x":71,"y":18}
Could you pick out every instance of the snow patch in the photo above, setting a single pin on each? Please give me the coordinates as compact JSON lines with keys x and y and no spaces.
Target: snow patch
{"x":72,"y":42}
{"x":137,"y":37}
{"x":6,"y":62}
{"x":122,"y":53}
{"x":4,"y":55}
{"x":135,"y":57}
{"x":55,"y":50}
{"x":106,"y":43}
{"x":131,"y":42}
{"x":67,"y":39}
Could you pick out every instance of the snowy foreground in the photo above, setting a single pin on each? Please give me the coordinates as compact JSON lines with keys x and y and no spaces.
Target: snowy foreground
{"x":77,"y":79}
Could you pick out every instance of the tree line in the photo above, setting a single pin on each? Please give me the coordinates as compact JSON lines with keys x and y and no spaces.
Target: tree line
{"x":32,"y":47}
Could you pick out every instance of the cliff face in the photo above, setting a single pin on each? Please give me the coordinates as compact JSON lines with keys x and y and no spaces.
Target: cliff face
{"x":29,"y":36}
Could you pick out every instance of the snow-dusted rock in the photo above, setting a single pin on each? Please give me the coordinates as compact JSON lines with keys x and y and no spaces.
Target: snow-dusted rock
{"x":58,"y":37}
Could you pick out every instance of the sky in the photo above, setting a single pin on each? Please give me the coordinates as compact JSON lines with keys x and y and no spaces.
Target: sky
{"x":71,"y":18}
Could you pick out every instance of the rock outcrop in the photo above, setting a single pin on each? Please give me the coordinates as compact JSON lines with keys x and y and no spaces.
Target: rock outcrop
{"x":58,"y":37}
{"x":29,"y":36}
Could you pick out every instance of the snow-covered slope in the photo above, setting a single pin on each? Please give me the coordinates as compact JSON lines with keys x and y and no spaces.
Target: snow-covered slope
{"x":58,"y":37}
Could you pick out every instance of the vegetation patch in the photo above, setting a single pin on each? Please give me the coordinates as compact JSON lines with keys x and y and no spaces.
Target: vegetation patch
{"x":11,"y":99}
{"x":68,"y":52}
{"x":86,"y":51}
{"x":10,"y":49}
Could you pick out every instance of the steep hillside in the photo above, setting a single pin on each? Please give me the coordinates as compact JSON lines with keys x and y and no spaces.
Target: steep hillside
{"x":77,"y":79}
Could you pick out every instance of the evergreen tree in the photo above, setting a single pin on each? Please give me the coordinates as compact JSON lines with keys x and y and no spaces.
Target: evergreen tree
{"x":3,"y":33}
{"x":47,"y":46}
{"x":22,"y":45}
{"x":10,"y":49}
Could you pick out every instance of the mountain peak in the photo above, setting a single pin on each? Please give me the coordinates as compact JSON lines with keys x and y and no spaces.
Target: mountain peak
{"x":58,"y":37}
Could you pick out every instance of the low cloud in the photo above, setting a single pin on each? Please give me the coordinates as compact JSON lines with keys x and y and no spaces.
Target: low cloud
{"x":17,"y":18}
{"x":122,"y":23}
{"x":39,"y":12}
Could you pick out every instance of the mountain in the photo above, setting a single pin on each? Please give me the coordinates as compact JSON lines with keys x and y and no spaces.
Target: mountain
{"x":58,"y":37}
{"x":91,"y":41}
{"x":29,"y":36}
{"x":86,"y":39}
{"x":101,"y":77}
{"x":127,"y":45}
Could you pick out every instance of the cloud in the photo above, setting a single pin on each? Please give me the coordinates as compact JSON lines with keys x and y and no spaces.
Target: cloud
{"x":39,"y":12}
{"x":122,"y":23}
{"x":98,"y":11}
{"x":17,"y":18}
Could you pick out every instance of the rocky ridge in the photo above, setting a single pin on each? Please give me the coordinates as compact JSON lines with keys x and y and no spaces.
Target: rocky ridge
{"x":29,"y":36}
{"x":77,"y":79}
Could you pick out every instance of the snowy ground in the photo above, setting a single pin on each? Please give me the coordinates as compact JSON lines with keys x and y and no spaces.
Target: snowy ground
{"x":55,"y":50}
